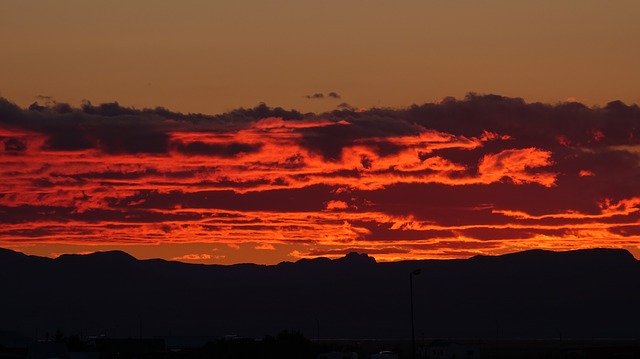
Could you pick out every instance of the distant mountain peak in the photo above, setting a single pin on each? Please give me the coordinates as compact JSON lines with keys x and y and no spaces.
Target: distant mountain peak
{"x":357,"y":258}
{"x":116,"y":256}
{"x":316,"y":260}
{"x":10,"y":253}
{"x":598,"y":254}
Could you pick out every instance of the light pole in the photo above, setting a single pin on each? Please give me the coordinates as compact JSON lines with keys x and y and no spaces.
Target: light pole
{"x":413,"y":329}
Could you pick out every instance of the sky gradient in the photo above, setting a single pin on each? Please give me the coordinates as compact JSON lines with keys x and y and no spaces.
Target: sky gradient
{"x":215,"y":56}
{"x":485,"y":174}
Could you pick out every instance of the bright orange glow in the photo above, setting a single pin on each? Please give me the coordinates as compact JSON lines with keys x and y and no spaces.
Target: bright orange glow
{"x":273,"y":189}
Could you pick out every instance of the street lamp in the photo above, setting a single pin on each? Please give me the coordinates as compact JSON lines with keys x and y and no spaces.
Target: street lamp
{"x":413,"y":329}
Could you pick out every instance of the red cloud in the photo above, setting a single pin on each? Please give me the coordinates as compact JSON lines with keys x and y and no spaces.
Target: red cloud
{"x":515,"y":164}
{"x":479,"y":176}
{"x":336,"y":205}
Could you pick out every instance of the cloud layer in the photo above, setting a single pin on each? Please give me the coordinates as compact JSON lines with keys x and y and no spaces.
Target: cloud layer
{"x":481,"y":175}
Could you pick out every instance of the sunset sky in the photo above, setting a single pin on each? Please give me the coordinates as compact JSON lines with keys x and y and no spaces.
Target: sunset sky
{"x":369,"y":139}
{"x":214,"y":56}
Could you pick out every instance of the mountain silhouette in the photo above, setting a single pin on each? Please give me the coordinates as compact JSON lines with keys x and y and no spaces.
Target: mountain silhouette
{"x":533,"y":294}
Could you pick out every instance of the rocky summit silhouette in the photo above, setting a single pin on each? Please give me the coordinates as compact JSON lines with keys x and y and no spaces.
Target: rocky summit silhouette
{"x":533,"y":294}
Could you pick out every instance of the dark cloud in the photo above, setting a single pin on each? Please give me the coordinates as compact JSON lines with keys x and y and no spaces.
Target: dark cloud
{"x":468,"y":169}
{"x":308,"y":199}
{"x":385,"y":232}
{"x":34,"y":214}
{"x":330,"y":140}
{"x":216,"y":149}
{"x":345,"y":106}
{"x":110,"y":175}
{"x":474,"y":204}
{"x":14,"y":145}
{"x":535,"y":123}
{"x":320,"y":95}
{"x":633,"y":230}
{"x":511,"y":233}
{"x":315,"y":96}
{"x":117,"y":129}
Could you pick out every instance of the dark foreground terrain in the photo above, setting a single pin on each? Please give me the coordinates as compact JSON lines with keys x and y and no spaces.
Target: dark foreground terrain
{"x":294,"y":345}
{"x":535,"y":294}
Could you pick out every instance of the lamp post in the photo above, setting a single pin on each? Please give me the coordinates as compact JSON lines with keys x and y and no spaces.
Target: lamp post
{"x":413,"y":329}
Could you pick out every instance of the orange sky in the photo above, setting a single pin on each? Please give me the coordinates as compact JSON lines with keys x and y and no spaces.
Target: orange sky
{"x":213,"y":56}
{"x":447,"y":179}
{"x":481,"y":175}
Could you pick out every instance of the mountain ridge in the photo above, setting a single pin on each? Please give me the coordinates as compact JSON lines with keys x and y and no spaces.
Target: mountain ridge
{"x":350,"y":257}
{"x":533,"y":294}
